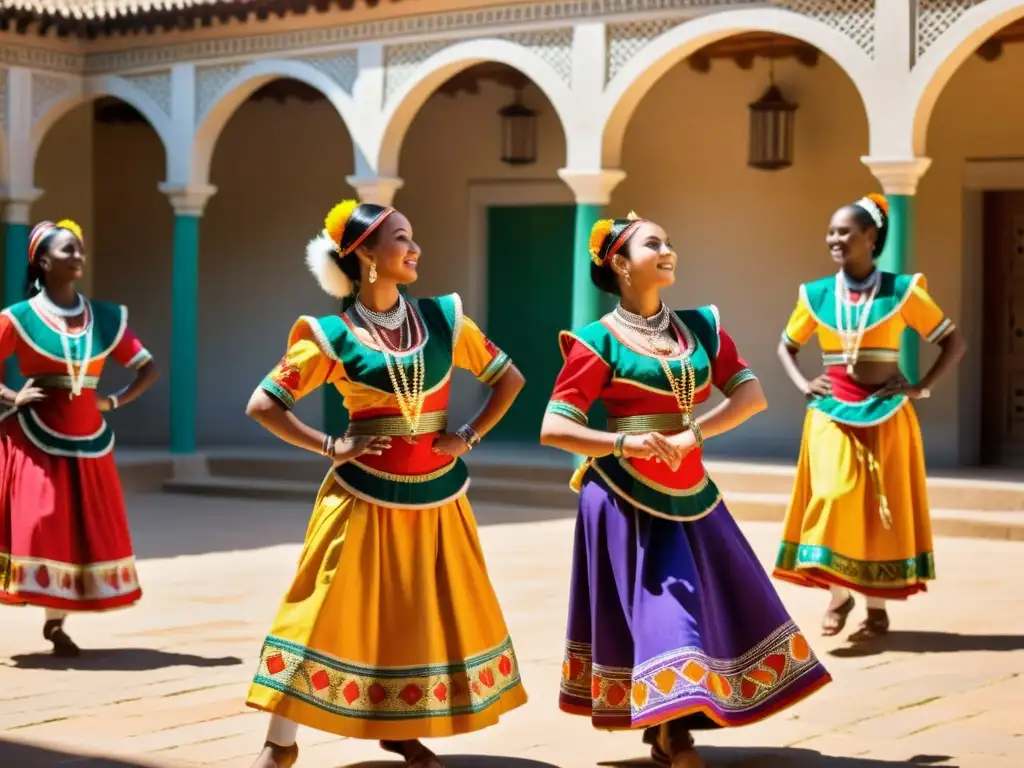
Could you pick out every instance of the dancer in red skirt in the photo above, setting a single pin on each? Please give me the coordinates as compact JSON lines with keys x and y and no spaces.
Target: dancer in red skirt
{"x":64,"y":541}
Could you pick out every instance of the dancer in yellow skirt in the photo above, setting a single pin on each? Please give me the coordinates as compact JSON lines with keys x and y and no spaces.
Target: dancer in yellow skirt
{"x":859,"y":518}
{"x":391,"y":629}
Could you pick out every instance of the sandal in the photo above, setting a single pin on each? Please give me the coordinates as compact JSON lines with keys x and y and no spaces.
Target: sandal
{"x":283,"y":757}
{"x":874,"y":626}
{"x":416,"y":754}
{"x":53,"y":630}
{"x":660,"y":748}
{"x":835,"y":618}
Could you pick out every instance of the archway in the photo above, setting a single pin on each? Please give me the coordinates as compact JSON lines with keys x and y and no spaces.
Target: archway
{"x":279,"y":164}
{"x":971,"y":234}
{"x":100,"y":162}
{"x":746,"y":237}
{"x":498,"y":233}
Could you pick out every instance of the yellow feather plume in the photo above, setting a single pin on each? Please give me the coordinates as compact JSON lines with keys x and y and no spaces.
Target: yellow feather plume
{"x":73,"y":227}
{"x":337,"y":218}
{"x":599,"y":232}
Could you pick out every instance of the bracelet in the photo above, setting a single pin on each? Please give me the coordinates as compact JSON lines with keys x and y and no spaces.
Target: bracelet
{"x":114,"y":402}
{"x":469,"y":436}
{"x":698,"y":436}
{"x":619,"y":445}
{"x":327,"y":446}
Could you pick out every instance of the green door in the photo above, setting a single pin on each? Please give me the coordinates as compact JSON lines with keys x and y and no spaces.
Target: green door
{"x":529,"y":294}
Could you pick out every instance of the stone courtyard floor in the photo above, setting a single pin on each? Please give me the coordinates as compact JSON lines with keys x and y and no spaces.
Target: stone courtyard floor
{"x":162,"y":684}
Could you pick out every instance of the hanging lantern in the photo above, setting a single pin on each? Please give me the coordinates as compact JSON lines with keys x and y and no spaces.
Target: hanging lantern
{"x":518,"y":133}
{"x":771,"y":131}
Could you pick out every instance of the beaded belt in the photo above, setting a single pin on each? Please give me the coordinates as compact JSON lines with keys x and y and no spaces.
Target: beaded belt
{"x":380,"y":426}
{"x":652,"y":422}
{"x":63,"y":381}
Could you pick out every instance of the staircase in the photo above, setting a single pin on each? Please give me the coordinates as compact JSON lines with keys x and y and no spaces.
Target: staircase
{"x":530,"y":483}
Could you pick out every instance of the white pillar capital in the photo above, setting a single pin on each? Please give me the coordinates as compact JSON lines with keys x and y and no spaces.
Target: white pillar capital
{"x":898,"y":176}
{"x":188,"y":200}
{"x":592,"y":187}
{"x":17,"y":203}
{"x":379,"y":190}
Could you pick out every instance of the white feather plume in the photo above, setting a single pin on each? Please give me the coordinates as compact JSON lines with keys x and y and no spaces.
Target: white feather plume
{"x":320,"y":258}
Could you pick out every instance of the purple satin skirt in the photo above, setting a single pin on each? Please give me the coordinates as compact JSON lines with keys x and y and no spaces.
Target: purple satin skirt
{"x":675,"y":621}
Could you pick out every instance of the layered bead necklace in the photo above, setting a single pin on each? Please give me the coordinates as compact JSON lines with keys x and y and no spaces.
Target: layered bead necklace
{"x":408,"y":389}
{"x":70,"y":343}
{"x":851,"y":335}
{"x":652,"y":330}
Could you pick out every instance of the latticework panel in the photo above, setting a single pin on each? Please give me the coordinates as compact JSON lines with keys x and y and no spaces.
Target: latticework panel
{"x":934,"y":17}
{"x":157,"y":86}
{"x":210,"y":81}
{"x":853,"y":18}
{"x":400,"y":61}
{"x":624,"y":41}
{"x":553,"y":46}
{"x":342,"y":68}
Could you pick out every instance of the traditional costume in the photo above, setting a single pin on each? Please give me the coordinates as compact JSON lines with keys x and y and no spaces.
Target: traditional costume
{"x":671,"y":617}
{"x":859,"y":514}
{"x":64,"y":540}
{"x":391,"y":629}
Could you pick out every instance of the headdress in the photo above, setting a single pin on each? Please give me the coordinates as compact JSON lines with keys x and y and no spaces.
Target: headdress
{"x":44,"y":228}
{"x":608,"y":235}
{"x":877,"y":208}
{"x":325,"y":252}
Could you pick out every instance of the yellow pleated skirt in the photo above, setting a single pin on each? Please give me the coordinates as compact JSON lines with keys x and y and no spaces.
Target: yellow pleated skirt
{"x":859,"y":515}
{"x":391,"y":628}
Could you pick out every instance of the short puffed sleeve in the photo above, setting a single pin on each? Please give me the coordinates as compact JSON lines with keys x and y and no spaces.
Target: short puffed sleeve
{"x":921,"y":313}
{"x":130,"y":352}
{"x":304,"y":367}
{"x":579,"y":384}
{"x":801,"y":325}
{"x":475,"y":353}
{"x":8,"y":337}
{"x":729,"y":370}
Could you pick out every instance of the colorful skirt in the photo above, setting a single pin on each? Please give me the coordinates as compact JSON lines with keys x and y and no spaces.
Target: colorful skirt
{"x":859,"y":515}
{"x":675,"y":621}
{"x":391,"y":628}
{"x":64,"y":540}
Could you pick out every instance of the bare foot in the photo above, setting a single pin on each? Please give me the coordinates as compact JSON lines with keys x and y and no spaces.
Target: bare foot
{"x":274,"y":756}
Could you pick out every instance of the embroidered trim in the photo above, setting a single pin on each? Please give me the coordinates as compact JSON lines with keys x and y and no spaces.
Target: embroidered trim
{"x":892,"y":312}
{"x":568,"y":410}
{"x":47,"y":440}
{"x":886,"y":573}
{"x":388,"y":693}
{"x":740,"y":377}
{"x":67,"y":581}
{"x":391,"y":477}
{"x":90,"y":328}
{"x":269,"y":385}
{"x":866,"y":355}
{"x":789,"y":341}
{"x":673,"y":680}
{"x":941,"y":331}
{"x":495,"y":369}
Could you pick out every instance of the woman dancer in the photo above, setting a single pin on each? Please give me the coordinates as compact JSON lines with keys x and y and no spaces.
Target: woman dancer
{"x":859,"y":519}
{"x":64,"y":541}
{"x":673,"y":624}
{"x":391,"y":629}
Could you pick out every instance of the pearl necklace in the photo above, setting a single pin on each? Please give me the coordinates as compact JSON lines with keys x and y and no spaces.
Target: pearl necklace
{"x":390,"y":320}
{"x":651,"y":328}
{"x":56,"y":310}
{"x":850,"y":336}
{"x":409,"y":394}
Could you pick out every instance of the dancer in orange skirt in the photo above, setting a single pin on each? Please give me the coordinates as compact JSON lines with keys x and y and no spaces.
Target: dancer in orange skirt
{"x":859,"y":518}
{"x":64,"y":541}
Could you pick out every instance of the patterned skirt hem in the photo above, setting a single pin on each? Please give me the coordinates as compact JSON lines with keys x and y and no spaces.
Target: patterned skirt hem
{"x":821,"y":578}
{"x":70,"y":605}
{"x":715,"y":714}
{"x":410,"y":727}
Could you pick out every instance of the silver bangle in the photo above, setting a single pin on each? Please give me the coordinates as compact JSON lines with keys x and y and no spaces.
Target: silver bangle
{"x":469,"y":436}
{"x":114,"y":402}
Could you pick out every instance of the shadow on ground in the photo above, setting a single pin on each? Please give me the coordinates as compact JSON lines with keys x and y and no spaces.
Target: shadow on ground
{"x":462,"y":761}
{"x":17,"y":755}
{"x":931,"y":642}
{"x":767,"y":757}
{"x":120,"y":660}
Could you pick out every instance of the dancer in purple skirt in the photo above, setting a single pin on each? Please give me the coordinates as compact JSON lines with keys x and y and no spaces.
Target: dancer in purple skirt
{"x":673,"y":623}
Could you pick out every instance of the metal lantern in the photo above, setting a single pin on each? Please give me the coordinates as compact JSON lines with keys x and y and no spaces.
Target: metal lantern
{"x":518,"y":133}
{"x":771,"y":131}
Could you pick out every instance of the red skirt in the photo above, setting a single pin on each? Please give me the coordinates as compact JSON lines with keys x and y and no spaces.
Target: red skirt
{"x":64,"y":540}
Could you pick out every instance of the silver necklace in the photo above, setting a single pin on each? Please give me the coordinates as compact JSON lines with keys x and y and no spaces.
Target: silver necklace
{"x":391,"y":320}
{"x":58,"y":311}
{"x":651,"y":329}
{"x":861,"y":286}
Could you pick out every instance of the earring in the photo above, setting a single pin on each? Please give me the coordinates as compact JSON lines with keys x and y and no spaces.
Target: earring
{"x":373,"y":273}
{"x":628,"y":279}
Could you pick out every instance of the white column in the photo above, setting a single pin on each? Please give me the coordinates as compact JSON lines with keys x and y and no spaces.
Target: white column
{"x":379,"y":190}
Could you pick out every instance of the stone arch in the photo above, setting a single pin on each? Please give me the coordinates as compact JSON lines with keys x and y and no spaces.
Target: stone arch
{"x":93,"y":89}
{"x":240,"y":87}
{"x":401,"y":109}
{"x":624,"y":93}
{"x":943,"y":58}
